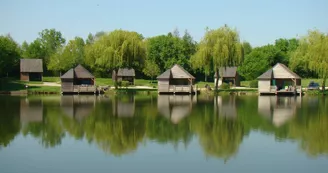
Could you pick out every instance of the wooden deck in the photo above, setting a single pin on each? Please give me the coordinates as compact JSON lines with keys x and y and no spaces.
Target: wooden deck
{"x":273,"y":91}
{"x":182,"y":89}
{"x":77,"y":89}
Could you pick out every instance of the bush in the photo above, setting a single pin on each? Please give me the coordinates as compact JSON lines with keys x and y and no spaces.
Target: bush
{"x":253,"y":84}
{"x":225,"y":86}
{"x":125,"y":83}
{"x":117,"y":84}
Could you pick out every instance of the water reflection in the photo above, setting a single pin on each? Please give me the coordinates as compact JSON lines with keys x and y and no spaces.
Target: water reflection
{"x":278,"y":109}
{"x":31,"y":110}
{"x":220,"y":124}
{"x":124,"y":106}
{"x":77,"y":107}
{"x":175,"y":107}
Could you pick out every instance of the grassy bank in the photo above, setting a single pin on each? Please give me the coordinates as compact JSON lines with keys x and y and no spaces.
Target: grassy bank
{"x":12,"y":85}
{"x":304,"y":83}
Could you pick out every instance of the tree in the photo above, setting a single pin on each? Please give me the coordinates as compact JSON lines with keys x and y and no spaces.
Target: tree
{"x":167,"y":50}
{"x":313,"y":54}
{"x":259,"y":60}
{"x":51,"y":40}
{"x":69,"y":56}
{"x":114,"y":50}
{"x":221,"y":47}
{"x":9,"y":55}
{"x":33,"y":50}
{"x":151,"y":69}
{"x":90,"y":39}
{"x":247,"y":48}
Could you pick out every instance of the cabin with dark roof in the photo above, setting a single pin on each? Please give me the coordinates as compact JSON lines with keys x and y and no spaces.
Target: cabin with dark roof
{"x":279,"y":80}
{"x":176,"y":80}
{"x":78,"y":80}
{"x":229,"y":76}
{"x":31,"y":69}
{"x":124,"y":74}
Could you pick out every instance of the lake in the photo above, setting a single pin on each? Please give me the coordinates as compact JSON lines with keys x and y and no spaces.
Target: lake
{"x":150,"y":133}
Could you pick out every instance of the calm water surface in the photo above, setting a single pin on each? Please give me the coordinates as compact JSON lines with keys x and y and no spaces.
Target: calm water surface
{"x":140,"y":133}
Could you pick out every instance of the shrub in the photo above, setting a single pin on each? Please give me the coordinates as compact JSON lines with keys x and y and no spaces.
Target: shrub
{"x":253,"y":84}
{"x":225,"y":86}
{"x":118,"y":84}
{"x":125,"y":83}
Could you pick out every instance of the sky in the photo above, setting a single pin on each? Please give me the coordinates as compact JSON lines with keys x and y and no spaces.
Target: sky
{"x":259,"y":22}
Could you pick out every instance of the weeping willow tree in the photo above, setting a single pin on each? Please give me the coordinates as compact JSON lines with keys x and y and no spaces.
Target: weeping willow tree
{"x":116,"y":49}
{"x":218,"y":48}
{"x":313,"y":54}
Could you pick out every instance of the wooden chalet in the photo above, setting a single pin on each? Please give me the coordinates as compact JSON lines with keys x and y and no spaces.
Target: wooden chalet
{"x":31,"y":69}
{"x":78,"y":80}
{"x":229,"y":76}
{"x":124,"y":74}
{"x":279,"y":80}
{"x":176,"y":80}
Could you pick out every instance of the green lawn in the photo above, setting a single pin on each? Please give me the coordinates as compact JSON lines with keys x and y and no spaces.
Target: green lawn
{"x":51,"y":79}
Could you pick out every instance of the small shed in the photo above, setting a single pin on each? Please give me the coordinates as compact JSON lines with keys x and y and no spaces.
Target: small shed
{"x":176,"y":80}
{"x":31,"y":69}
{"x":78,"y":80}
{"x":279,"y":80}
{"x":124,"y":74}
{"x":229,"y":76}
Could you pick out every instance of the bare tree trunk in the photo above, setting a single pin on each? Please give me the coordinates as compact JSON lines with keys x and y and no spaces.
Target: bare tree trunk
{"x":217,"y":79}
{"x":323,"y":85}
{"x":205,"y":77}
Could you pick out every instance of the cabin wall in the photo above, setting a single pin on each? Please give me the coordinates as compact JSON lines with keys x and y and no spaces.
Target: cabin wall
{"x":67,"y":85}
{"x":163,"y":85}
{"x":24,"y":76}
{"x":264,"y":86}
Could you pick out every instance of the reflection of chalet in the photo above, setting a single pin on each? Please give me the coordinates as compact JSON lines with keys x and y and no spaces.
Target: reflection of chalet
{"x":225,"y":106}
{"x":278,"y":109}
{"x":175,"y":107}
{"x":31,"y":111}
{"x":124,"y":106}
{"x":77,"y":107}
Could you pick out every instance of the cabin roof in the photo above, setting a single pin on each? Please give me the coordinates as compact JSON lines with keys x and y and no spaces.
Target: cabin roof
{"x":31,"y":65}
{"x":266,"y":75}
{"x":176,"y":72}
{"x":126,"y":72}
{"x":272,"y":73}
{"x":227,"y":72}
{"x":69,"y":74}
{"x":78,"y":72}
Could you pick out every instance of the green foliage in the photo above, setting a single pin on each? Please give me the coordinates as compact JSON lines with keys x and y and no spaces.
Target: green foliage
{"x":68,"y":57}
{"x":225,"y":86}
{"x":218,"y":48}
{"x":253,"y":84}
{"x":125,"y":84}
{"x":259,"y":61}
{"x":167,"y":50}
{"x":9,"y":55}
{"x":312,"y":54}
{"x":114,"y":50}
{"x":151,"y":69}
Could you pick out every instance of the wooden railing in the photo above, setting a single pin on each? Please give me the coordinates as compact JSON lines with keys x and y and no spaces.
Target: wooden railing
{"x":84,"y":88}
{"x":182,"y":88}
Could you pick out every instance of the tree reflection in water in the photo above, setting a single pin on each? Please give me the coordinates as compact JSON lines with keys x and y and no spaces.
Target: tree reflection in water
{"x":219,"y":127}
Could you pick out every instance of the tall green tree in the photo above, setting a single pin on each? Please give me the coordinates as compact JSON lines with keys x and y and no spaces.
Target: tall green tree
{"x":170,"y":49}
{"x":114,"y":50}
{"x":33,"y":50}
{"x":221,"y":47}
{"x":69,"y":56}
{"x":9,"y":55}
{"x":313,"y":54}
{"x":151,"y":69}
